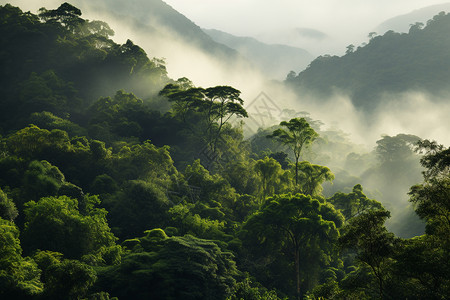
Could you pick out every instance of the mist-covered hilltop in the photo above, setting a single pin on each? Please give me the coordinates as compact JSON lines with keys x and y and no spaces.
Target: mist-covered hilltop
{"x":392,"y":63}
{"x":274,"y":60}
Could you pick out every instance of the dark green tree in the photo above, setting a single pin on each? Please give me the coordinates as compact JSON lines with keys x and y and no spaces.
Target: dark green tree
{"x":354,"y":203}
{"x":8,"y":210}
{"x":19,"y":276}
{"x":66,"y":14}
{"x":374,"y":245}
{"x":269,"y":171}
{"x":298,"y":136}
{"x":431,"y":198}
{"x":55,"y":224}
{"x":423,"y":262}
{"x":162,"y":267}
{"x":312,"y":176}
{"x":64,"y":278}
{"x":215,"y":106}
{"x":139,"y":205}
{"x":292,"y":226}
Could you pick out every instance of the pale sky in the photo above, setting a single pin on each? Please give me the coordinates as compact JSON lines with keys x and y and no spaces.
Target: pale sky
{"x":345,"y":21}
{"x":250,"y":16}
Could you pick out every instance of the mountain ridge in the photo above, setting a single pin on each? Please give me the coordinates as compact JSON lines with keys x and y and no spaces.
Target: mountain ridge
{"x":274,"y":59}
{"x":392,"y":63}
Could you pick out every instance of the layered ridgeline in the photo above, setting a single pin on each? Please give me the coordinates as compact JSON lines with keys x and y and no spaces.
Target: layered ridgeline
{"x":275,"y":61}
{"x":392,"y":63}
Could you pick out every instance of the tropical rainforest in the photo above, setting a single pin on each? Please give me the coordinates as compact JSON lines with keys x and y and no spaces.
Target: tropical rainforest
{"x":118,"y":182}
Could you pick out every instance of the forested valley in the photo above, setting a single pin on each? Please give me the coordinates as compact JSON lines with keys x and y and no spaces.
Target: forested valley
{"x":119,"y":182}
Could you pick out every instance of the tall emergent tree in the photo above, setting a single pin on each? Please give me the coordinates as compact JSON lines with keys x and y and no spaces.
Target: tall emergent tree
{"x":293,"y":225}
{"x":298,"y":136}
{"x":215,"y":106}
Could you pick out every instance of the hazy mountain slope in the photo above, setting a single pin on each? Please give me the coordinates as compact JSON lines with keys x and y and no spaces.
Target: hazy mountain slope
{"x":402,"y":23}
{"x":274,"y":60}
{"x":392,"y":63}
{"x":164,"y":32}
{"x":158,"y":12}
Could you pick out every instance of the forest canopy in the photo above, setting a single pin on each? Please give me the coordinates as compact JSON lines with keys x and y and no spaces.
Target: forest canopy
{"x":118,"y":182}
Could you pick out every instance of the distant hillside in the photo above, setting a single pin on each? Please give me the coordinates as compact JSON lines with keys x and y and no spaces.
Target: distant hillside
{"x":274,"y":60}
{"x":395,"y":62}
{"x":403,"y":22}
{"x":159,"y":20}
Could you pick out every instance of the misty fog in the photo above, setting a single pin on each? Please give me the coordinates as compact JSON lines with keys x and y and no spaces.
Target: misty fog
{"x":414,"y":112}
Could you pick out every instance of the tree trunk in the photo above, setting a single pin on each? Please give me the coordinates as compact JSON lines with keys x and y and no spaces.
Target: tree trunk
{"x":297,"y":272}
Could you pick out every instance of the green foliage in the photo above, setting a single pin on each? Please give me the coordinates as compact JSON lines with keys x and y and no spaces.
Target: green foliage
{"x":172,"y":268}
{"x":184,"y":218}
{"x":241,"y":175}
{"x":247,"y":290}
{"x":11,"y":170}
{"x":354,"y":203}
{"x":117,"y":115}
{"x":367,"y":235}
{"x":422,"y":265}
{"x":64,"y":278}
{"x":213,"y":190}
{"x":42,"y":179}
{"x":269,"y":171}
{"x":67,"y":15}
{"x":431,"y":197}
{"x":144,"y":162}
{"x":32,"y":142}
{"x":19,"y":276}
{"x":312,"y":176}
{"x":47,"y":120}
{"x":288,"y":230}
{"x":395,"y":158}
{"x":423,"y":262}
{"x":55,"y":224}
{"x":103,"y":184}
{"x":8,"y":210}
{"x":84,"y":157}
{"x":212,"y":107}
{"x":47,"y":92}
{"x":299,"y":135}
{"x":140,"y":205}
{"x":70,"y":279}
